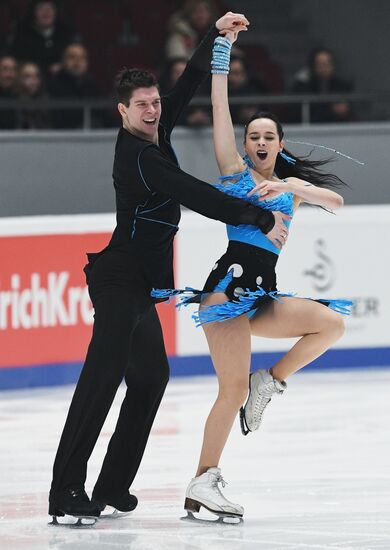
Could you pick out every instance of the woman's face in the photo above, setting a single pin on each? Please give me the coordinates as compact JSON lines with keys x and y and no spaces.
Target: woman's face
{"x":262,"y":143}
{"x":30,"y":78}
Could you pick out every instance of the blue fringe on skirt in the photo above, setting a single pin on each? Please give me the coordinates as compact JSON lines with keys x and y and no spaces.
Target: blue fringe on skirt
{"x":249,"y":301}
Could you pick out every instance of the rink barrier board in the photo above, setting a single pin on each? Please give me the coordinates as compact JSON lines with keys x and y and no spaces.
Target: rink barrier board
{"x":67,"y":373}
{"x":52,"y":354}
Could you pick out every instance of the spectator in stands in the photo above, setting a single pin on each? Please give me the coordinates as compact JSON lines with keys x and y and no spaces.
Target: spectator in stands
{"x":41,"y":38}
{"x":171,"y":72}
{"x":73,"y":81}
{"x":242,"y":84}
{"x":8,"y":76}
{"x":187,"y":26}
{"x":31,"y":86}
{"x":320,"y":78}
{"x":192,"y":116}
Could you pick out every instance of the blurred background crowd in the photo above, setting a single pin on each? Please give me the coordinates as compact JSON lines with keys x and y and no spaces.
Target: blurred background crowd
{"x":71,"y":50}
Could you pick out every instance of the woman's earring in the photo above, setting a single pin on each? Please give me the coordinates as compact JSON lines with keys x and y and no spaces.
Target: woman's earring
{"x":248,"y":161}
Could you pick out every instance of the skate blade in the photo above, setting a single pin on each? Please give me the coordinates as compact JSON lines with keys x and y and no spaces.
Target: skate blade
{"x":113,"y":513}
{"x":74,"y":522}
{"x":206,"y":516}
{"x":244,"y":428}
{"x":218,"y":520}
{"x":243,"y":425}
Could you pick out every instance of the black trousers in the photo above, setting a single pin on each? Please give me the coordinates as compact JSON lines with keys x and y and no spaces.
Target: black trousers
{"x":127,"y":342}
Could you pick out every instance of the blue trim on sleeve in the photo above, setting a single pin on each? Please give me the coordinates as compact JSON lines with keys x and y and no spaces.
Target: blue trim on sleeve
{"x":156,"y":207}
{"x":135,"y":216}
{"x":139,"y":168}
{"x":168,"y":141}
{"x":157,"y":221}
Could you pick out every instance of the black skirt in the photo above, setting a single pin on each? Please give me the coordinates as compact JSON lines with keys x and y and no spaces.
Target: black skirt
{"x":242,"y":268}
{"x":246,"y":274}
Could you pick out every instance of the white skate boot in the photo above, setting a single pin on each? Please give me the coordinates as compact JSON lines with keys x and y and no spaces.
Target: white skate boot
{"x":262,"y":386}
{"x":204,"y":491}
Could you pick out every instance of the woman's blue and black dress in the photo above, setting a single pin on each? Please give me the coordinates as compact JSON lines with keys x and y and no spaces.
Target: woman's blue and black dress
{"x":246,"y":272}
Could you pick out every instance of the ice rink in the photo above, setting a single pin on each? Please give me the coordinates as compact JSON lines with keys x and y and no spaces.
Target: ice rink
{"x":316,"y":476}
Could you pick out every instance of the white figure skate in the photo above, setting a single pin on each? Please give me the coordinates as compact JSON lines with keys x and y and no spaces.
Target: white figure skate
{"x":262,"y":386}
{"x":203,"y":491}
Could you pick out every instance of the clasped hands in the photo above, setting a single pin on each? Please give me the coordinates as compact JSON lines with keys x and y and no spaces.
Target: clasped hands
{"x":231,"y":24}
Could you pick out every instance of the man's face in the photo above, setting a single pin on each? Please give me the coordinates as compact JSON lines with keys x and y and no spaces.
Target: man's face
{"x":76,"y":60}
{"x":8,"y":69}
{"x":142,"y":116}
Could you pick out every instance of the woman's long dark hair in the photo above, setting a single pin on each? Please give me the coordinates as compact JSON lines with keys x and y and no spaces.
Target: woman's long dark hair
{"x":303,"y":168}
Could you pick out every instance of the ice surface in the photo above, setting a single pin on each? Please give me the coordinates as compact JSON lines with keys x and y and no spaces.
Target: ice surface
{"x":315,"y":476}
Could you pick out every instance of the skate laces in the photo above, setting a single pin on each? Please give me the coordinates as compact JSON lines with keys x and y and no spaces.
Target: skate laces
{"x":260,"y":405}
{"x":216,"y":480}
{"x":264,"y":398}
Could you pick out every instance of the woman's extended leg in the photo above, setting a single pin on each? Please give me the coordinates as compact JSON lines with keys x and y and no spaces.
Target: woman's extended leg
{"x":318,"y":326}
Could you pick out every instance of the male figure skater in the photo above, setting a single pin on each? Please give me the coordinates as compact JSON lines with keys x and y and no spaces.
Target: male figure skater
{"x":127,"y":340}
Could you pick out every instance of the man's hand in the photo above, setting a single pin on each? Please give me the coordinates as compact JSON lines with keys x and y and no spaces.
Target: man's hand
{"x":279,"y":232}
{"x":232,"y":22}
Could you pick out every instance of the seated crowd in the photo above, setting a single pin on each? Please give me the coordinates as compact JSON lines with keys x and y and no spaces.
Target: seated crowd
{"x":42,"y":58}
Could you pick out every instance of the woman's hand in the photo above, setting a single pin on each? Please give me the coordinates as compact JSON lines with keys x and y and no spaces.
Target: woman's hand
{"x":269,"y":189}
{"x":232,"y":34}
{"x":232,"y":22}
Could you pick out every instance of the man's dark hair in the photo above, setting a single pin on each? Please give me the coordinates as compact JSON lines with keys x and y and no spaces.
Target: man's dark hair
{"x":128,"y":80}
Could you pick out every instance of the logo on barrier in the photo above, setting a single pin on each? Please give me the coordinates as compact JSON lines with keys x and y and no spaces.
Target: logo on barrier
{"x":323,"y":277}
{"x":46,"y":315}
{"x":45,"y":312}
{"x":323,"y":272}
{"x":46,"y":303}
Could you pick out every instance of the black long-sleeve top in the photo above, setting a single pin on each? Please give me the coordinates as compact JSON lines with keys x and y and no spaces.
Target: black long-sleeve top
{"x":150,"y":186}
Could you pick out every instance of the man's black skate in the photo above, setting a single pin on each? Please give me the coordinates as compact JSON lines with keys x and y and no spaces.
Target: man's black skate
{"x":122,"y":505}
{"x":73,"y":501}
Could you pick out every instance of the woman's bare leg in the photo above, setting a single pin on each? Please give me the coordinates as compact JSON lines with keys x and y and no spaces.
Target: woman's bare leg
{"x":318,"y":326}
{"x":229,"y":344}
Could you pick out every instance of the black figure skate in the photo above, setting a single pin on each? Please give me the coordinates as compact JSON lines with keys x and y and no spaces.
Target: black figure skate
{"x":122,"y":505}
{"x":74,"y":502}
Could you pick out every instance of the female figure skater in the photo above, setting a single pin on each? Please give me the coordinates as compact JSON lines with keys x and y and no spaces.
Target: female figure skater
{"x":241,"y":288}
